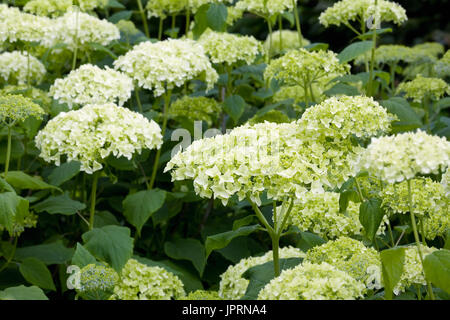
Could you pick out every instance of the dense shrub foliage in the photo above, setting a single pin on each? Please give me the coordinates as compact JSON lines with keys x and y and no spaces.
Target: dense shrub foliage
{"x":157,"y":150}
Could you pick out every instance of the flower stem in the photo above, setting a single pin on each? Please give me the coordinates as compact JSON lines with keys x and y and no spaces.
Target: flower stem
{"x":8,"y":152}
{"x":93,"y":199}
{"x":75,"y":52}
{"x":168,"y":96}
{"x":269,"y":54}
{"x":188,"y":21}
{"x":13,"y":252}
{"x":280,"y":27}
{"x":160,"y":29}
{"x":138,"y":99}
{"x":276,"y":256}
{"x":372,"y":59}
{"x":297,"y":23}
{"x":144,"y":19}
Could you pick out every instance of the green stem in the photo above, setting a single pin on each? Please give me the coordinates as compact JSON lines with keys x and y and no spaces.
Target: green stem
{"x":174,"y":24}
{"x":305,"y":87}
{"x":188,"y":21}
{"x":416,"y":237}
{"x":75,"y":52}
{"x":8,"y":152}
{"x":372,"y":59}
{"x":280,"y":27}
{"x":11,"y":256}
{"x":93,"y":199}
{"x":262,"y":219}
{"x":138,"y":99}
{"x":297,"y":23}
{"x":160,"y":29}
{"x":276,"y":256}
{"x":393,"y":67}
{"x":269,"y":54}
{"x":144,"y":18}
{"x":358,"y":189}
{"x":168,"y":96}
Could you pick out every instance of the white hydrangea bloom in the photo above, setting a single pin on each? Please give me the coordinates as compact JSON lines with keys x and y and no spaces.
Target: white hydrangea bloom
{"x":167,"y":64}
{"x":265,"y":8}
{"x":51,"y":8}
{"x":233,"y":286}
{"x":284,"y":40}
{"x":91,"y":85}
{"x":403,"y":156}
{"x":17,"y":67}
{"x":95,"y":132}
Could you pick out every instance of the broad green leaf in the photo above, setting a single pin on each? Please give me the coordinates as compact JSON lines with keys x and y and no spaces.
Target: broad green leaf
{"x":21,"y":180}
{"x":345,"y":198}
{"x":234,"y":106}
{"x":82,"y":257}
{"x":447,"y":240}
{"x":13,"y":208}
{"x":139,"y":207}
{"x":23,"y":293}
{"x":243,"y":222}
{"x":104,"y":218}
{"x":309,"y":240}
{"x":354,"y":50}
{"x":114,"y":4}
{"x":392,"y":261}
{"x":62,"y":204}
{"x":51,"y":253}
{"x":437,"y":269}
{"x":64,"y":173}
{"x":261,"y":275}
{"x":121,"y":15}
{"x":407,"y":117}
{"x":201,"y":21}
{"x":187,"y":249}
{"x":342,"y":88}
{"x":221,"y":240}
{"x":216,"y":16}
{"x":98,"y":47}
{"x":370,"y":215}
{"x":316,"y":46}
{"x":112,"y":244}
{"x":37,"y":273}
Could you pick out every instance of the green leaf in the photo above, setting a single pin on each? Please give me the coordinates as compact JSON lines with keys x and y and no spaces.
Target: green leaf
{"x":243,"y":222}
{"x":407,"y":117}
{"x":370,"y":215}
{"x":139,"y":207}
{"x":187,"y":249}
{"x":21,"y":180}
{"x":62,"y":204}
{"x":262,"y":274}
{"x":316,"y":46}
{"x":234,"y":106}
{"x":354,"y":50}
{"x":437,"y":269}
{"x":112,"y":244}
{"x":392,"y":261}
{"x":64,"y":173}
{"x":98,"y":47}
{"x":82,"y":257}
{"x":342,"y":88}
{"x":9,"y":204}
{"x":51,"y":253}
{"x":221,"y":240}
{"x":114,"y":4}
{"x":201,"y":22}
{"x":345,"y":197}
{"x":309,"y":240}
{"x":122,"y":15}
{"x":23,"y":293}
{"x":37,"y":273}
{"x":216,"y":16}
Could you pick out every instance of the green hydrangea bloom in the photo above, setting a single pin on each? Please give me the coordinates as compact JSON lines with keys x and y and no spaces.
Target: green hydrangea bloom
{"x":37,"y":95}
{"x":390,"y":54}
{"x":421,"y":88}
{"x":265,"y":8}
{"x":284,"y":40}
{"x":310,"y":281}
{"x":202,"y":295}
{"x":234,"y":14}
{"x":298,"y":94}
{"x":50,"y":8}
{"x":429,"y":49}
{"x":442,"y":67}
{"x":403,"y":156}
{"x":429,"y":202}
{"x":167,"y":64}
{"x":230,"y":49}
{"x":93,"y":133}
{"x":346,"y":11}
{"x":165,"y":8}
{"x":17,"y":108}
{"x":97,"y":282}
{"x":19,"y":68}
{"x":141,"y":282}
{"x":351,"y":256}
{"x":233,"y":286}
{"x":271,"y":116}
{"x":195,"y":109}
{"x":127,"y":27}
{"x":91,"y":85}
{"x":446,"y":181}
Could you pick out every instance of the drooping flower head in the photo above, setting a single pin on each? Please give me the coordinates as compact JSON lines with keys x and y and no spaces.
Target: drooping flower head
{"x":141,"y":282}
{"x":233,"y":285}
{"x":167,"y":64}
{"x":195,"y":109}
{"x":19,"y":68}
{"x":422,"y":88}
{"x":284,"y":40}
{"x":17,"y":108}
{"x":265,"y":8}
{"x":97,"y":282}
{"x":403,"y":156}
{"x":91,"y":85}
{"x":93,"y":133}
{"x":310,"y":281}
{"x":227,"y":48}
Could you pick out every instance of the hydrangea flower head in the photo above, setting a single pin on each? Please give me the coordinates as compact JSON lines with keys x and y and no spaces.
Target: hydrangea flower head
{"x":195,"y":109}
{"x":141,"y":282}
{"x":49,"y":8}
{"x":97,"y":282}
{"x":422,"y":87}
{"x":93,"y":133}
{"x":19,"y":68}
{"x":442,"y":67}
{"x":390,"y":54}
{"x":265,"y":8}
{"x":17,"y":108}
{"x":91,"y":85}
{"x":403,"y":156}
{"x":289,"y":41}
{"x":202,"y":295}
{"x":311,"y":281}
{"x":167,"y":64}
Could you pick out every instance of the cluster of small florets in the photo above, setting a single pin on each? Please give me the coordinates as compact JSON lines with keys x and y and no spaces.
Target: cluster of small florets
{"x":141,"y":282}
{"x":346,"y":11}
{"x":95,"y":132}
{"x":319,"y":213}
{"x":233,"y":286}
{"x":430,"y":50}
{"x":265,"y":8}
{"x":285,"y":40}
{"x":195,"y":109}
{"x":227,"y":48}
{"x":429,"y":202}
{"x":167,"y":64}
{"x":351,"y":256}
{"x":17,"y":108}
{"x":128,"y":28}
{"x":37,"y":95}
{"x":91,"y":85}
{"x":164,"y":8}
{"x":421,"y":88}
{"x":274,"y":116}
{"x":442,"y":67}
{"x":403,"y":156}
{"x":202,"y":295}
{"x":446,"y":181}
{"x":21,"y":68}
{"x":310,"y":281}
{"x":390,"y":54}
{"x":297,"y":65}
{"x":97,"y":282}
{"x":51,"y":8}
